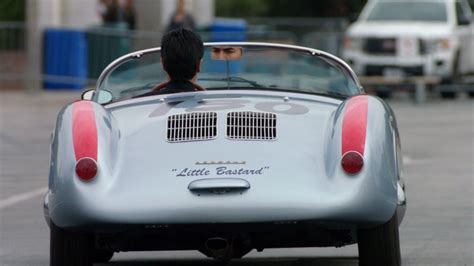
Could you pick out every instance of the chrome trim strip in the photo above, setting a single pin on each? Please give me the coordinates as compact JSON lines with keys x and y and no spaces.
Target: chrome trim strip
{"x":219,"y":162}
{"x":218,"y":185}
{"x":401,"y":202}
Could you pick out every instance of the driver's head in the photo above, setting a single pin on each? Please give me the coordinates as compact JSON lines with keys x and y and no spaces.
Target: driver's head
{"x":181,"y":54}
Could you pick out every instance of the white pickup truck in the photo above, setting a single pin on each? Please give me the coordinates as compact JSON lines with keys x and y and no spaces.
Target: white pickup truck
{"x":413,"y":38}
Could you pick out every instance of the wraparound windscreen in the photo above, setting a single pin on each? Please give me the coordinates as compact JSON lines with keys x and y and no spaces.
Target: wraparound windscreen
{"x":433,"y":11}
{"x":233,"y":67}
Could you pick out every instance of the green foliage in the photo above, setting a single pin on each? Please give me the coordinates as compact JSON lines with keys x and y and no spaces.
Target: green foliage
{"x":287,"y":8}
{"x":241,"y":8}
{"x":11,"y":37}
{"x":12,"y":10}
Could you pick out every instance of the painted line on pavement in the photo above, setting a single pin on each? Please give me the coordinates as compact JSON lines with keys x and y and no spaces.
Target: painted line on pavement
{"x":408,"y":160}
{"x":10,"y":201}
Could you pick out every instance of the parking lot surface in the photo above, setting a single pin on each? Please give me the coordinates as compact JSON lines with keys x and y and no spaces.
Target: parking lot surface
{"x":438,"y":147}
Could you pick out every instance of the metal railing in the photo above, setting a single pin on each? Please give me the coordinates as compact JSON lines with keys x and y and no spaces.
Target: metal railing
{"x":105,"y":44}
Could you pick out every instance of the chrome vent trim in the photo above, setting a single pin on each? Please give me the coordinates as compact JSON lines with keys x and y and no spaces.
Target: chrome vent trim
{"x":251,"y":126}
{"x":192,"y":127}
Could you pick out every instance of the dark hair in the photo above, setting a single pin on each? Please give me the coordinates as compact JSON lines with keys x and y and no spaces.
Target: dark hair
{"x":181,"y":51}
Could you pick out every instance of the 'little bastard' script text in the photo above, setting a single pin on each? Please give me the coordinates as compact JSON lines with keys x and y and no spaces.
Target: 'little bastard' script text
{"x":220,"y":171}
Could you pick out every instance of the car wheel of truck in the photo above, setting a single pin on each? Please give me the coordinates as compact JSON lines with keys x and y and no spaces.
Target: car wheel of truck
{"x":448,"y":95}
{"x":453,"y":81}
{"x":383,"y":92}
{"x":69,"y":248}
{"x":102,"y":256}
{"x":380,"y":245}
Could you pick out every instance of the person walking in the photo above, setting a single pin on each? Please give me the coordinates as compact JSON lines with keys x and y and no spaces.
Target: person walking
{"x":181,"y":19}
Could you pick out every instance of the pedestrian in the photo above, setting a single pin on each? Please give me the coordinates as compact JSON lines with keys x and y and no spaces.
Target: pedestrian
{"x":115,"y":12}
{"x":109,"y":11}
{"x":181,"y":19}
{"x":128,"y":11}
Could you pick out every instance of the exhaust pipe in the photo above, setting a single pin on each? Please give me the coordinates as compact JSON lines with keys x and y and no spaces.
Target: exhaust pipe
{"x":220,"y":248}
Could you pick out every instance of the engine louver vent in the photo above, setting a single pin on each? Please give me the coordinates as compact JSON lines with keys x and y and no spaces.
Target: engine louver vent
{"x":251,"y":126}
{"x":192,"y":127}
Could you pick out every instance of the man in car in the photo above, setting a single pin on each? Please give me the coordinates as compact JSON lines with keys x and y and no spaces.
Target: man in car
{"x":181,"y":56}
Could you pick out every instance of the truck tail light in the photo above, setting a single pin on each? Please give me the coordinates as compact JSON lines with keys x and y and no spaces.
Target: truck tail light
{"x":86,"y":168}
{"x":352,"y":162}
{"x":347,"y":42}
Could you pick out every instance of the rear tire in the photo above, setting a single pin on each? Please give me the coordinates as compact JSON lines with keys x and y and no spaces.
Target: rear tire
{"x":70,"y":248}
{"x":380,"y":245}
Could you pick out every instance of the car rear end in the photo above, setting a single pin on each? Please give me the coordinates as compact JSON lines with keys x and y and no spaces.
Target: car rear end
{"x":197,"y":167}
{"x":246,"y":164}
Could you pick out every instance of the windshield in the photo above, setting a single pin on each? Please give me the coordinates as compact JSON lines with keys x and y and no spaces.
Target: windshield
{"x":408,"y":11}
{"x":240,"y":66}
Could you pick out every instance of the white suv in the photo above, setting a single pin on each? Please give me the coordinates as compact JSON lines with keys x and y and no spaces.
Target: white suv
{"x":412,"y":38}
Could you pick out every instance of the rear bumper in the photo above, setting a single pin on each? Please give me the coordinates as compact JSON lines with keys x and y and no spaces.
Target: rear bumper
{"x":374,"y":65}
{"x":378,"y":70}
{"x":352,"y":208}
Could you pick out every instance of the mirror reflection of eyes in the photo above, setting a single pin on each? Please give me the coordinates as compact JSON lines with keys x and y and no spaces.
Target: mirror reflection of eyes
{"x":226,"y":53}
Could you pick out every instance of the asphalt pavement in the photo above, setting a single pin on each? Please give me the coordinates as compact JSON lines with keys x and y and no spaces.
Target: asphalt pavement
{"x":438,"y":147}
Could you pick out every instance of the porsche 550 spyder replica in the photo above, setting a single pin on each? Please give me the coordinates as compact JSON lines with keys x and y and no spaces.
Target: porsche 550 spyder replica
{"x":282,"y":149}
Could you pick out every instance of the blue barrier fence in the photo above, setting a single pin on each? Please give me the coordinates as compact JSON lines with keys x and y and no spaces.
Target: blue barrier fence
{"x":65,"y":55}
{"x":73,"y":57}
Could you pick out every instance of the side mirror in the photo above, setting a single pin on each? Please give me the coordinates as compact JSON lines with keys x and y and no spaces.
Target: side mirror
{"x":463,"y":21}
{"x":87,"y":95}
{"x":229,"y":53}
{"x":352,"y":17}
{"x":105,"y":96}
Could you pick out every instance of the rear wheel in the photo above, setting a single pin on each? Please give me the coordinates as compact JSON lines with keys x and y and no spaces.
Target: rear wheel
{"x":70,"y":248}
{"x":380,"y":245}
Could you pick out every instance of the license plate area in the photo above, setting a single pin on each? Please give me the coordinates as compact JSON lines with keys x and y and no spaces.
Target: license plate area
{"x":393,"y":72}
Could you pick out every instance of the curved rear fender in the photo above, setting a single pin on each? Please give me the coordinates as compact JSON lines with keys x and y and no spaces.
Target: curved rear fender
{"x":370,"y":132}
{"x":108,"y":141}
{"x":347,"y":133}
{"x":74,"y":137}
{"x":397,"y":141}
{"x":381,"y":155}
{"x":57,"y":156}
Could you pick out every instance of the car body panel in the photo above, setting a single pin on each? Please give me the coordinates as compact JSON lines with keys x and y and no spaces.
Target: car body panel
{"x":137,"y":158}
{"x":438,"y":62}
{"x":147,"y":180}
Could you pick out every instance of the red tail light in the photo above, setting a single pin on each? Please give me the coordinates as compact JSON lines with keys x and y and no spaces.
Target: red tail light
{"x":86,"y":168}
{"x":352,"y":162}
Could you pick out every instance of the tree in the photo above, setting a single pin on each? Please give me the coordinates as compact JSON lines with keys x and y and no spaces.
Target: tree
{"x":12,"y":10}
{"x":288,"y":8}
{"x":241,"y":8}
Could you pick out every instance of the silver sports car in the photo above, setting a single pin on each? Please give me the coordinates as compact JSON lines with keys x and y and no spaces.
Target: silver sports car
{"x":282,"y":149}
